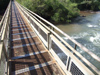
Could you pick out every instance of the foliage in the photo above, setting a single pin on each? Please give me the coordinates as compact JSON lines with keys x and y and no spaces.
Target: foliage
{"x":57,"y":10}
{"x":54,"y":10}
{"x":95,"y":5}
{"x":88,"y":4}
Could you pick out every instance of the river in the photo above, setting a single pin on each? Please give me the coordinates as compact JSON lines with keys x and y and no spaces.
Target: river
{"x":85,"y":30}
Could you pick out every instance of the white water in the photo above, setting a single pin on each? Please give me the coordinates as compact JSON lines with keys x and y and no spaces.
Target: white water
{"x":87,"y":32}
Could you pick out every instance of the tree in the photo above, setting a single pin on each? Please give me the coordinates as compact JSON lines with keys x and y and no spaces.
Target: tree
{"x":53,"y":10}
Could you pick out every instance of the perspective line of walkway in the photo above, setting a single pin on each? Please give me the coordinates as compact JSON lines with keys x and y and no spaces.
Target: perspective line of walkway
{"x":27,"y":53}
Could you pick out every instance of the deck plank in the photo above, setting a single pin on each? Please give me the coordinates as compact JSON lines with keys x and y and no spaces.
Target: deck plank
{"x":28,"y":55}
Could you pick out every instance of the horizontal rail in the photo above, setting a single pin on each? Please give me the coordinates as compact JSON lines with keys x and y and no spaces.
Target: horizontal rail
{"x":4,"y":25}
{"x":74,"y":51}
{"x":74,"y":41}
{"x":2,"y":20}
{"x":4,"y":37}
{"x":37,"y":25}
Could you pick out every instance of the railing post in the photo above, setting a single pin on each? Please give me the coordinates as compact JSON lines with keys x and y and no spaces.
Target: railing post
{"x":5,"y":52}
{"x":68,"y":63}
{"x":49,"y":41}
{"x":75,"y":46}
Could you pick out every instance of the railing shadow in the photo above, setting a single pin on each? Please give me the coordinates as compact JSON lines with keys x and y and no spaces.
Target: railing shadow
{"x":25,"y":49}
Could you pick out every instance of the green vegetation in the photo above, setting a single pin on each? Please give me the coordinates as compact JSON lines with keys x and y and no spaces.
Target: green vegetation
{"x":53,"y":10}
{"x":88,"y":4}
{"x":60,"y":10}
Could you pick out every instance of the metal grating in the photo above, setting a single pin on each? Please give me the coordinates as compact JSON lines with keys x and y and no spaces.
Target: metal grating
{"x":2,"y":64}
{"x":59,"y":52}
{"x":75,"y":70}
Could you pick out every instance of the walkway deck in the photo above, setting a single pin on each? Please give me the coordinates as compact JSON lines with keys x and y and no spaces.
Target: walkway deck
{"x":28,"y":55}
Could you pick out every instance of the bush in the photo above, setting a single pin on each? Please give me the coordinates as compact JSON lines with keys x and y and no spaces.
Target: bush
{"x":54,"y":10}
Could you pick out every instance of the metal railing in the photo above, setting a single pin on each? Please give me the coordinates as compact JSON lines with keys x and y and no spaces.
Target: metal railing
{"x":71,"y":61}
{"x":4,"y":38}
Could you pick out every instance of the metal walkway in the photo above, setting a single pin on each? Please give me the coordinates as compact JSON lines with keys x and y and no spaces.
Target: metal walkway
{"x":30,"y":45}
{"x":28,"y":55}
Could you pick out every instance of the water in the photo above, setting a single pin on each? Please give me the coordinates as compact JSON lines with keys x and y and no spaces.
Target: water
{"x":85,"y":30}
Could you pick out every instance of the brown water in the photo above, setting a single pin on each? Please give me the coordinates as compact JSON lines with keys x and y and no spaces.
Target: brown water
{"x":75,"y":26}
{"x":71,"y":29}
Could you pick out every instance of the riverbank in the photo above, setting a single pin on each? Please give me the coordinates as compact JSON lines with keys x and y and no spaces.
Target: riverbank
{"x":77,"y":24}
{"x":82,"y":15}
{"x":85,"y":30}
{"x":88,"y":12}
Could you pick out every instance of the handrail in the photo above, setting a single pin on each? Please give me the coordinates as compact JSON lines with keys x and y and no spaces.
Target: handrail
{"x":66,"y":35}
{"x":5,"y":18}
{"x":52,"y":36}
{"x":4,"y":37}
{"x":2,"y":20}
{"x":36,"y":17}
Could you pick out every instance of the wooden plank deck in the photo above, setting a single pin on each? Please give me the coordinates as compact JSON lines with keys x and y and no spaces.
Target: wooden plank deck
{"x":28,"y":55}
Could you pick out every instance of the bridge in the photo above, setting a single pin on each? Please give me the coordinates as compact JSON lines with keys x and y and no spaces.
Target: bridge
{"x":30,"y":45}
